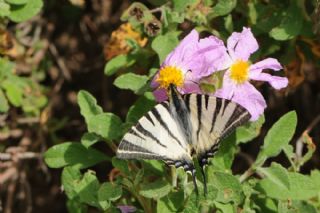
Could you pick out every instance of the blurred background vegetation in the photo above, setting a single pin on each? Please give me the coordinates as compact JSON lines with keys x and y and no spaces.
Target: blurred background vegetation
{"x":52,"y":49}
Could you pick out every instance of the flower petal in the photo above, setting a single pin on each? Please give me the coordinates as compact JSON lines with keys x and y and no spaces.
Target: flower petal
{"x":190,"y":87}
{"x":251,"y":99}
{"x":275,"y":81}
{"x":242,"y":45}
{"x":184,"y":51}
{"x":268,"y":63}
{"x":160,"y":94}
{"x":228,"y":88}
{"x":215,"y":54}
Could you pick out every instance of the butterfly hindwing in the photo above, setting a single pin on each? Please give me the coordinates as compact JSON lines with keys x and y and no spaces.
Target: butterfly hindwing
{"x":213,"y":119}
{"x":157,"y":136}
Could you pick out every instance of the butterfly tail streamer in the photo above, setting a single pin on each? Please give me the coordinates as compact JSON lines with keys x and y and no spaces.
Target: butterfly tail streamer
{"x":205,"y":191}
{"x":194,"y":179}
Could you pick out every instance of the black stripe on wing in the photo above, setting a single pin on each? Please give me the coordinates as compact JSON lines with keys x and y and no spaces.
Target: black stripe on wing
{"x":217,"y":108}
{"x":156,"y":114}
{"x":127,"y":150}
{"x":238,"y":117}
{"x":199,"y":112}
{"x":148,"y":134}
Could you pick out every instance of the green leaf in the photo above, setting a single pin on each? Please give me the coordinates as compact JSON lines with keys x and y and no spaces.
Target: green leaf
{"x":4,"y":9}
{"x":290,"y":25}
{"x":181,"y":5}
{"x":153,"y":166}
{"x":87,"y":188}
{"x":4,"y":106}
{"x":302,"y":187}
{"x":73,"y":154}
{"x":171,"y":203}
{"x":26,"y":11}
{"x":229,"y":187}
{"x":277,"y":174}
{"x":140,"y":107}
{"x":88,"y":139}
{"x":18,"y":2}
{"x":120,"y":164}
{"x":107,"y":125}
{"x":75,"y":206}
{"x":228,"y":207}
{"x":223,"y":7}
{"x":295,"y":206}
{"x":108,"y":192}
{"x":278,"y":136}
{"x":155,"y":190}
{"x":224,"y":158}
{"x":164,"y":44}
{"x":249,"y":131}
{"x":69,"y":177}
{"x":131,"y":81}
{"x":192,"y":204}
{"x":118,"y":62}
{"x":13,"y":92}
{"x":88,"y":105}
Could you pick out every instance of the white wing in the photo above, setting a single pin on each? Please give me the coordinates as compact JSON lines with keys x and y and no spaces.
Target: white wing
{"x":213,"y":119}
{"x":157,"y":136}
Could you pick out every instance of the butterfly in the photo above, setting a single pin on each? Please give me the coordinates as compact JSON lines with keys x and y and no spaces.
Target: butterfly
{"x":184,"y":127}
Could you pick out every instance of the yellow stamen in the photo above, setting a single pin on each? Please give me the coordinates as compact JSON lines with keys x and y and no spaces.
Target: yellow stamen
{"x":170,"y":75}
{"x":239,"y":71}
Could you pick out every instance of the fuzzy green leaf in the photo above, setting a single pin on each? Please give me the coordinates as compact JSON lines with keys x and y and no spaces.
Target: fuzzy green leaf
{"x":131,"y":81}
{"x":290,"y":25}
{"x":277,"y":174}
{"x":73,"y":154}
{"x":302,"y":187}
{"x":88,"y":139}
{"x":18,"y":2}
{"x":107,"y":125}
{"x":118,"y":62}
{"x":26,"y":11}
{"x":140,"y":107}
{"x":181,"y":5}
{"x":155,"y":190}
{"x":88,"y":105}
{"x":223,"y":7}
{"x":4,"y":105}
{"x":120,"y":164}
{"x":278,"y":136}
{"x":228,"y":186}
{"x":4,"y":9}
{"x":13,"y":92}
{"x":249,"y":131}
{"x":69,"y":177}
{"x":164,"y":44}
{"x":225,"y":154}
{"x":87,"y":188}
{"x":109,"y":192}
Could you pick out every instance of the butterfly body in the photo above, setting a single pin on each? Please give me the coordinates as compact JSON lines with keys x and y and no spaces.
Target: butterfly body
{"x":185,"y":126}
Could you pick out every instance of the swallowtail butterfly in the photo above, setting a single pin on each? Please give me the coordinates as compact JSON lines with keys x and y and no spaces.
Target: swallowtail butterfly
{"x":185,"y":126}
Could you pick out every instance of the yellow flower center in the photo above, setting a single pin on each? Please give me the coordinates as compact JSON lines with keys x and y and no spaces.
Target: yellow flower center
{"x":170,"y":75}
{"x":239,"y":71}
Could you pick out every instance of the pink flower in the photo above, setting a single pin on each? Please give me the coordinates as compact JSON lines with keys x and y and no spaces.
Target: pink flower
{"x":185,"y":66}
{"x":236,"y":81}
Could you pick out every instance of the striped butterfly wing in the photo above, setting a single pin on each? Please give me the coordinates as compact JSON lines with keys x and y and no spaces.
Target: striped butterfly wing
{"x":157,"y":136}
{"x":213,"y":119}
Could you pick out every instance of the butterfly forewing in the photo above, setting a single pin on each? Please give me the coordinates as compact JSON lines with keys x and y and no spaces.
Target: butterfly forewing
{"x":156,"y":136}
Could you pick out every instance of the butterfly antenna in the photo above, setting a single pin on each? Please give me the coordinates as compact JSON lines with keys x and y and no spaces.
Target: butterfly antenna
{"x":194,"y":181}
{"x":204,"y":181}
